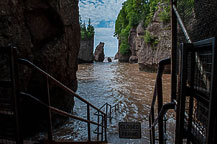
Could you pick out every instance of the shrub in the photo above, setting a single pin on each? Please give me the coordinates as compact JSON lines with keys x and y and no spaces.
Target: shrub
{"x":150,"y":39}
{"x":165,"y":15}
{"x":124,"y":48}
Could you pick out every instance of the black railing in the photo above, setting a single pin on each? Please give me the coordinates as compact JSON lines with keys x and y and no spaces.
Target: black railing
{"x":15,"y":61}
{"x":158,"y":95}
{"x":108,"y":111}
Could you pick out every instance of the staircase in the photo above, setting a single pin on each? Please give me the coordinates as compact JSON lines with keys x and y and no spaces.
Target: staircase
{"x":8,"y":112}
{"x":10,"y":96}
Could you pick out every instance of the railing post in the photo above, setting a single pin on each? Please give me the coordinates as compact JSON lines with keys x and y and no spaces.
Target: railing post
{"x":152,"y":131}
{"x":106,"y":109}
{"x":102,"y":127}
{"x":88,"y":118}
{"x":110,"y":113}
{"x":105,"y":124}
{"x":181,"y":97}
{"x":49,"y":118}
{"x":173,"y":51}
{"x":160,"y":103}
{"x":15,"y":93}
{"x":98,"y":125}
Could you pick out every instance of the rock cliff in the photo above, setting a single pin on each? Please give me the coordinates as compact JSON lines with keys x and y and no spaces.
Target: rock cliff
{"x":149,"y":53}
{"x":48,"y":34}
{"x":121,"y":57}
{"x":86,"y":51}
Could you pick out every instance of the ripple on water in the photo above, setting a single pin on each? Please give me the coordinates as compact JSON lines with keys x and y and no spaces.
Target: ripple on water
{"x":112,"y":83}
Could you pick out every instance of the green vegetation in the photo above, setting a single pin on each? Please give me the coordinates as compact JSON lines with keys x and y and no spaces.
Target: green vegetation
{"x":131,"y":14}
{"x":150,"y":39}
{"x":165,"y":15}
{"x":86,"y":32}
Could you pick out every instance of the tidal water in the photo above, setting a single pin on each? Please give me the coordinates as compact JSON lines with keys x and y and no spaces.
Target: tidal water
{"x":115,"y":83}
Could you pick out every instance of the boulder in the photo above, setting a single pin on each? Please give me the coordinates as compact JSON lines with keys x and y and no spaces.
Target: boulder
{"x":99,"y":55}
{"x":109,"y":59}
{"x":133,"y":59}
{"x":124,"y":58}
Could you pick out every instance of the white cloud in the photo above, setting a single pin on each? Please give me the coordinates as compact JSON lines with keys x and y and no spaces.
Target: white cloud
{"x":100,"y":10}
{"x":105,"y":11}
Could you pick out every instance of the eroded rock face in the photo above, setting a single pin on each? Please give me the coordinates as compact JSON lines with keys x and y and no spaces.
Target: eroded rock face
{"x":86,"y":51}
{"x":48,"y":34}
{"x":99,"y":55}
{"x":149,"y":55}
{"x":121,"y":57}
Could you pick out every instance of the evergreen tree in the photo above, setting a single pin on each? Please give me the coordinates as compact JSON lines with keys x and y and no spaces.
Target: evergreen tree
{"x":86,"y":32}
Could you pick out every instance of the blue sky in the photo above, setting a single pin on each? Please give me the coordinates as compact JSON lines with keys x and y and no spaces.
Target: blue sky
{"x":103,"y":14}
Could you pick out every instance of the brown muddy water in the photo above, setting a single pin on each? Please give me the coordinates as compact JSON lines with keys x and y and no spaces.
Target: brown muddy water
{"x":115,"y":83}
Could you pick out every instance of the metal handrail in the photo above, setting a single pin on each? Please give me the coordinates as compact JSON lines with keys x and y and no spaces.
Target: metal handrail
{"x":157,"y":95}
{"x":96,"y":131}
{"x":58,"y":83}
{"x":53,"y":109}
{"x":182,"y":24}
{"x":110,"y":109}
{"x":58,"y":111}
{"x":163,"y":111}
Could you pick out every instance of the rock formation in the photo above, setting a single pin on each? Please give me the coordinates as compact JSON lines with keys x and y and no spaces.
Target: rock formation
{"x":116,"y":55}
{"x":86,"y":51}
{"x":150,"y":54}
{"x":99,"y":55}
{"x":119,"y":56}
{"x":48,"y":34}
{"x":109,"y":59}
{"x":147,"y":54}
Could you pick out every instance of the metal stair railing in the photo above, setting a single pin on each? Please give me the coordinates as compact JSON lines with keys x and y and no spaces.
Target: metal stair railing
{"x":47,"y":104}
{"x":162,"y":109}
{"x":108,"y":111}
{"x":9,"y":104}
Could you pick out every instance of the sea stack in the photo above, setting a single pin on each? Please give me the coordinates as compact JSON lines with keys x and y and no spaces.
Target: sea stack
{"x":99,"y":55}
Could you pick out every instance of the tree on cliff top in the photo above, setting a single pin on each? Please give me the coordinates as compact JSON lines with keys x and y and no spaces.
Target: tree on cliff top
{"x":131,"y":14}
{"x":86,"y":32}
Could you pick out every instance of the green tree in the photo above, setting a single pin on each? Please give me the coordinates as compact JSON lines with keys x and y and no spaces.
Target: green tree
{"x":86,"y":32}
{"x":131,"y":14}
{"x":90,"y":29}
